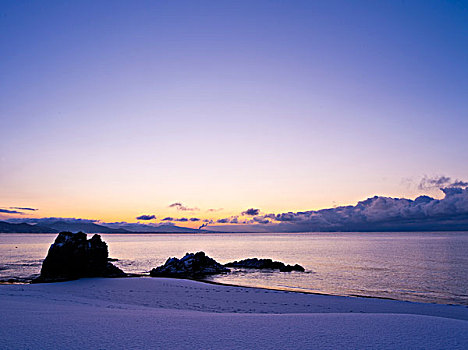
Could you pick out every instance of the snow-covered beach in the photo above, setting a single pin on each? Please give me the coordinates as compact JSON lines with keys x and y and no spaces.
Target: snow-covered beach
{"x":136,"y":313}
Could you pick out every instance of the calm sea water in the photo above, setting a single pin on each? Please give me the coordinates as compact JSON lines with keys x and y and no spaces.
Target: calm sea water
{"x":425,"y":267}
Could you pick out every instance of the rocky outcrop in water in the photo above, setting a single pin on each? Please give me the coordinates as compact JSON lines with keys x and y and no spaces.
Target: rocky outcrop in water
{"x":255,"y":263}
{"x":73,"y":256}
{"x":190,"y":266}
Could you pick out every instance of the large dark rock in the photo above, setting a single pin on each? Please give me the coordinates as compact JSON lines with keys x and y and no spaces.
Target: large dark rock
{"x":73,"y":256}
{"x":255,"y":263}
{"x":190,"y":266}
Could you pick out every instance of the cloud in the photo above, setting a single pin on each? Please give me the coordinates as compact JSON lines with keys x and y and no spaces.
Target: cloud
{"x":439,"y":182}
{"x":169,"y":218}
{"x":230,"y":220}
{"x":24,"y":208}
{"x":287,"y":217}
{"x":381,"y":214}
{"x":270,"y":216}
{"x":180,"y":206}
{"x":458,"y":183}
{"x":8,"y":211}
{"x":176,"y":205}
{"x":261,"y":220}
{"x":215,"y":210}
{"x":251,"y":212}
{"x":146,"y":217}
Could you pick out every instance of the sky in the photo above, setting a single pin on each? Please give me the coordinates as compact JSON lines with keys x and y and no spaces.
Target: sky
{"x":111,"y":110}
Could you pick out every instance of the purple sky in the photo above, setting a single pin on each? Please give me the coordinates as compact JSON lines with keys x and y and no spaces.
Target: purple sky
{"x":114,"y":109}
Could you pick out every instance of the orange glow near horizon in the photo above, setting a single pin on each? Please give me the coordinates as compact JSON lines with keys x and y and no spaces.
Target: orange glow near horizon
{"x":119,"y":213}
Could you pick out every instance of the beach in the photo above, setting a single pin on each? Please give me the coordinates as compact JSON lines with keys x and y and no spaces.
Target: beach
{"x":148,"y":313}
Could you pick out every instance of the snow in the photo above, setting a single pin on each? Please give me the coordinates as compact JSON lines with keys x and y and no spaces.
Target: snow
{"x":149,"y":313}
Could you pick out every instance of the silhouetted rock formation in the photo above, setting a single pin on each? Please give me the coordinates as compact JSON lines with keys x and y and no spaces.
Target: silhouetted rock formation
{"x":255,"y":263}
{"x":190,"y":266}
{"x":73,"y":256}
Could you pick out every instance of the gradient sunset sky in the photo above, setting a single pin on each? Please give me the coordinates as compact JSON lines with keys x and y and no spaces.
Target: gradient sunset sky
{"x":113,"y":109}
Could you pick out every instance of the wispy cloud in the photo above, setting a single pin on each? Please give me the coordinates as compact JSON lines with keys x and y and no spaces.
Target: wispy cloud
{"x":181,"y":207}
{"x":8,"y":211}
{"x":215,"y":210}
{"x":438,"y":182}
{"x":24,"y":208}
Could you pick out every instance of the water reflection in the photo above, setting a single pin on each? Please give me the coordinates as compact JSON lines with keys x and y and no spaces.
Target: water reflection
{"x":430,"y":267}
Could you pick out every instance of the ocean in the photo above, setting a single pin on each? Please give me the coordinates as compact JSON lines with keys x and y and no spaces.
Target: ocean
{"x":427,"y":267}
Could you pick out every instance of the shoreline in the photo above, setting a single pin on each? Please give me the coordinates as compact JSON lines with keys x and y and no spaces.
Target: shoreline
{"x":313,"y":293}
{"x":28,"y":281}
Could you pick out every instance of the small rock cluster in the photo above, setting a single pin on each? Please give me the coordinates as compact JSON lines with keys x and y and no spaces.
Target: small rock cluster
{"x":73,"y":256}
{"x":255,"y":263}
{"x":190,"y":266}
